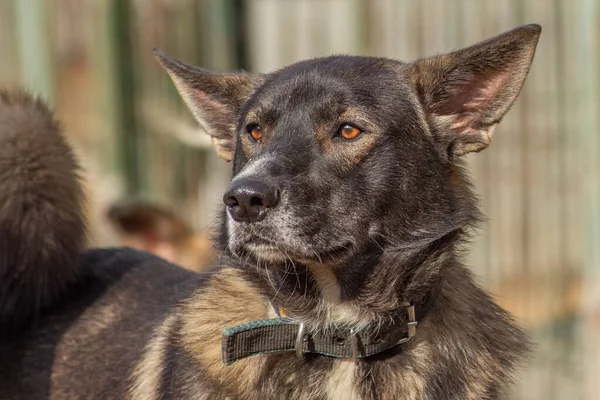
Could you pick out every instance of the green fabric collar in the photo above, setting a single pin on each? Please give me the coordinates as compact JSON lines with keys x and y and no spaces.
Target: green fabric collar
{"x":278,"y":335}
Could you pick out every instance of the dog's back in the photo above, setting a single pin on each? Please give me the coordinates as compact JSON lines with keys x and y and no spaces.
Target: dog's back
{"x":61,"y":313}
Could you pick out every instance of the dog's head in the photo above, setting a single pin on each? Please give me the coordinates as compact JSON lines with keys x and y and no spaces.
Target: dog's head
{"x":335,"y":154}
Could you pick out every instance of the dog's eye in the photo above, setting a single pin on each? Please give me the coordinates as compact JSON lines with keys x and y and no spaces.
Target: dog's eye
{"x":349,"y":132}
{"x":255,"y":131}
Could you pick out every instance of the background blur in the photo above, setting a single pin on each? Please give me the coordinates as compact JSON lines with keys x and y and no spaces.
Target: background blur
{"x":539,"y":253}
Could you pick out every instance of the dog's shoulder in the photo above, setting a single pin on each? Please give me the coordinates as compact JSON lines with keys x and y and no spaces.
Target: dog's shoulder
{"x":90,"y":341}
{"x":468,"y":322}
{"x":184,"y":359}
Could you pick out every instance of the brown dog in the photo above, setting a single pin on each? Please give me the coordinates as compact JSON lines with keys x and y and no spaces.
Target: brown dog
{"x":156,"y":229}
{"x":339,"y":269}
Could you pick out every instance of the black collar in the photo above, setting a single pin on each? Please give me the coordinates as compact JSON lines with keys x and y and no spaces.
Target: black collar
{"x":276,"y":335}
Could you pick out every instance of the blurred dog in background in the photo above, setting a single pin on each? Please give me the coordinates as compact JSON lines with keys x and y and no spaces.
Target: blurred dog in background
{"x":155,"y":228}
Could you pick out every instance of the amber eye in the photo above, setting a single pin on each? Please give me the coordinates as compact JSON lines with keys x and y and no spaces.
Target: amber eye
{"x":349,"y":132}
{"x":255,"y":131}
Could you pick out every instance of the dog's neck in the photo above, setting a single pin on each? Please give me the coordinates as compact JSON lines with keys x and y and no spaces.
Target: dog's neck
{"x":363,"y":291}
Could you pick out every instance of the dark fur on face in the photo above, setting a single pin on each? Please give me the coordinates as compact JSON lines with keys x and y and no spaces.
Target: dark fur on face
{"x":338,"y":197}
{"x":349,"y":198}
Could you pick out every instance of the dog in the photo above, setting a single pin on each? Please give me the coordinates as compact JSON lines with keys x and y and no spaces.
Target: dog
{"x":156,"y":229}
{"x":339,"y":271}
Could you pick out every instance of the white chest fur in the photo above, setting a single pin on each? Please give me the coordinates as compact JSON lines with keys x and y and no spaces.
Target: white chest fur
{"x":340,"y":384}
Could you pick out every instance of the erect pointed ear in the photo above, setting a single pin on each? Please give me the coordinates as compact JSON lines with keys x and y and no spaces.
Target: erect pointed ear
{"x":215,"y":99}
{"x":466,"y":93}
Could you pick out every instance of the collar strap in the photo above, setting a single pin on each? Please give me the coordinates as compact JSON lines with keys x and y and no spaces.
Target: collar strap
{"x":277,"y":335}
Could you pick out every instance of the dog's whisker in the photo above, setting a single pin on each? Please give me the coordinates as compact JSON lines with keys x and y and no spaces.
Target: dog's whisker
{"x":383,"y":250}
{"x":295,"y":271}
{"x":299,"y":175}
{"x":311,"y":206}
{"x":269,"y":279}
{"x":318,"y":256}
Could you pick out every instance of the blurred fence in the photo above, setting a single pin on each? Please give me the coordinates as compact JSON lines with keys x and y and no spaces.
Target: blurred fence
{"x":539,"y":181}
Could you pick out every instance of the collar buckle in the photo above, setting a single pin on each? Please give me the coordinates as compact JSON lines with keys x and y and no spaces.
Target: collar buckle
{"x":300,"y":341}
{"x":354,"y":341}
{"x":411,"y":324}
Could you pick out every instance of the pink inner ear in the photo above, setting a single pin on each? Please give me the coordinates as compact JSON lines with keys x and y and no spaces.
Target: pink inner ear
{"x":470,"y":101}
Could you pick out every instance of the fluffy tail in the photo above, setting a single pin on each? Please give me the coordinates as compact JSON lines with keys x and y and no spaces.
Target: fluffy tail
{"x":42,"y":229}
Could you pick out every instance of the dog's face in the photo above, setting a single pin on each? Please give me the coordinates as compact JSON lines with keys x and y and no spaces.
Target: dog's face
{"x":325,"y":139}
{"x":337,"y":154}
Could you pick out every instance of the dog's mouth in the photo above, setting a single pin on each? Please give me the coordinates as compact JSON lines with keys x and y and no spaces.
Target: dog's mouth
{"x":267,"y":250}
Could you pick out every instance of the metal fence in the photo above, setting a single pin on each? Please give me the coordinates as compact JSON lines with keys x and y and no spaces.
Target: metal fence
{"x":539,"y":182}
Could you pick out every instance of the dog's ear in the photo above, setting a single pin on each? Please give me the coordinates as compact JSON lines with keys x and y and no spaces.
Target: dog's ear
{"x":215,"y":99}
{"x":466,"y":93}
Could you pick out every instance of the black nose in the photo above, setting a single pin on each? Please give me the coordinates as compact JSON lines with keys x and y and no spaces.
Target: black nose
{"x":249,"y":200}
